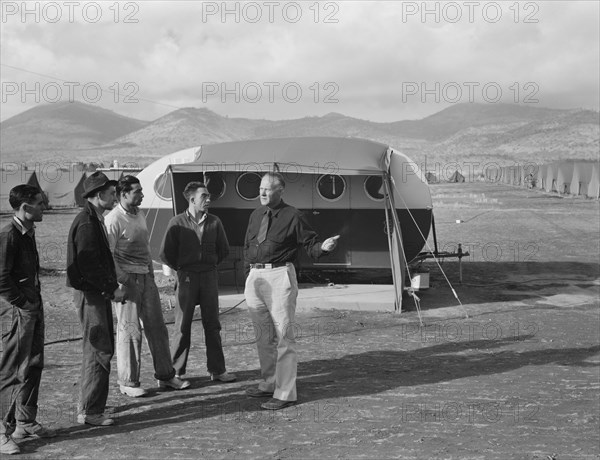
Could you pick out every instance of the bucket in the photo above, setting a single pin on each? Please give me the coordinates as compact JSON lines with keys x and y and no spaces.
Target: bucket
{"x":420,"y":281}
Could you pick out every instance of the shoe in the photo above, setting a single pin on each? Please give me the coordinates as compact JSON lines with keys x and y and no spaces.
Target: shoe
{"x":175,"y":383}
{"x":32,"y":430}
{"x":8,"y":446}
{"x":276,"y":404}
{"x":224,"y":377}
{"x":95,"y":419}
{"x":258,"y":393}
{"x":134,"y":392}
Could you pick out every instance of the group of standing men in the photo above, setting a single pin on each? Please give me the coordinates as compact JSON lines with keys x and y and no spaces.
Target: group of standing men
{"x":109,"y":263}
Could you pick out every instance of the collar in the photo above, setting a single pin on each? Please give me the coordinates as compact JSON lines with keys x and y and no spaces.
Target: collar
{"x":94,"y":211}
{"x":202,"y":219}
{"x":136,"y":209}
{"x":275,"y":210}
{"x":22,"y":227}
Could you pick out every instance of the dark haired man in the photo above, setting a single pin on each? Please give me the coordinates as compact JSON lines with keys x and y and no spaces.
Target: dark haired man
{"x":22,"y":320}
{"x":91,"y":272}
{"x":275,"y":232}
{"x":193,"y":245}
{"x":128,"y":239}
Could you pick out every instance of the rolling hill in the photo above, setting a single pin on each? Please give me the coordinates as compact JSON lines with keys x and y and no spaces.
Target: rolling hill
{"x":478,"y":133}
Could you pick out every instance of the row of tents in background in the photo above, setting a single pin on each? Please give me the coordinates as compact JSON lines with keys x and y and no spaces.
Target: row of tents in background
{"x":577,"y":178}
{"x":62,"y":188}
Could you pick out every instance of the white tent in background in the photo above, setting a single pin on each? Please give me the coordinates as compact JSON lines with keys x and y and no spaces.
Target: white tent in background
{"x":551,"y":175}
{"x":59,"y":186}
{"x":582,"y":173}
{"x":563,"y":177}
{"x":541,"y":177}
{"x":594,"y":185}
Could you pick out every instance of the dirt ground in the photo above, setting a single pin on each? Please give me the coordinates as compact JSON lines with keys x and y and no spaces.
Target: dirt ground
{"x":516,"y":379}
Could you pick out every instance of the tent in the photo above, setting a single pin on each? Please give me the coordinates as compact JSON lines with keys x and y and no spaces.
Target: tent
{"x":59,"y":186}
{"x":551,"y":176}
{"x":12,"y":178}
{"x":582,"y":173}
{"x":540,"y":179}
{"x":456,"y":177}
{"x":594,"y":185}
{"x":376,"y":198}
{"x":563,"y":177}
{"x":431,"y":178}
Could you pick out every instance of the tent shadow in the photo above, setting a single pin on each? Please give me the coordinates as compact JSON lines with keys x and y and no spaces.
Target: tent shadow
{"x":487,"y":281}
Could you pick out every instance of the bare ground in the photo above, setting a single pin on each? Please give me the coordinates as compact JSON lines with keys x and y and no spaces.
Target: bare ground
{"x":516,"y":379}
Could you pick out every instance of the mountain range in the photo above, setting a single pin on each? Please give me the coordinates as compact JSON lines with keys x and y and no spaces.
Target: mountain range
{"x":67,"y":132}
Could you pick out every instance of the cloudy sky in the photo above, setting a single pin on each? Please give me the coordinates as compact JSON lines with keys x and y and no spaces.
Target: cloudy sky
{"x":381,"y":61}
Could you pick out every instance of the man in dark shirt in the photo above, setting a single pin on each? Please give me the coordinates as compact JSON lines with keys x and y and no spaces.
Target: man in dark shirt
{"x":91,"y":273}
{"x":194,"y":244}
{"x":275,"y":232}
{"x":22,"y":319}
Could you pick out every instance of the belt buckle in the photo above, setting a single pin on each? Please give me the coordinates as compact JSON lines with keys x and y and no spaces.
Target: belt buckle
{"x":269,"y":266}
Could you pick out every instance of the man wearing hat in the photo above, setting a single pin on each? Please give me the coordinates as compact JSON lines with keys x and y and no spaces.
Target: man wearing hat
{"x":91,"y":272}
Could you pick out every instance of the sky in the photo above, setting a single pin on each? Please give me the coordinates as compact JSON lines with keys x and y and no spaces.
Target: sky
{"x":378,"y":61}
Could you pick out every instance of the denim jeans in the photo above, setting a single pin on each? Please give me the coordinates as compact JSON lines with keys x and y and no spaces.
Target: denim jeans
{"x":195,"y":288}
{"x":98,"y":347}
{"x":142,"y":305}
{"x":21,"y":364}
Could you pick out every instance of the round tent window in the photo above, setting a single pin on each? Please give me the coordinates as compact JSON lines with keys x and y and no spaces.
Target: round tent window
{"x":331,"y":187}
{"x":248,"y":185}
{"x":162,"y":186}
{"x":215,"y":184}
{"x":374,"y":188}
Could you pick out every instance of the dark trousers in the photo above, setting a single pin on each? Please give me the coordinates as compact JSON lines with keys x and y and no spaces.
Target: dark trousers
{"x":21,"y":364}
{"x":193,"y":289}
{"x":95,"y":315}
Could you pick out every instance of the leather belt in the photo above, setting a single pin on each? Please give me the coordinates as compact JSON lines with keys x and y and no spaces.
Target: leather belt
{"x":269,"y":266}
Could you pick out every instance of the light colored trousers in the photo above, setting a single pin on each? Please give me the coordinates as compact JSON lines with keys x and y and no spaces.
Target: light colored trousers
{"x":141,"y":309}
{"x":271,"y":297}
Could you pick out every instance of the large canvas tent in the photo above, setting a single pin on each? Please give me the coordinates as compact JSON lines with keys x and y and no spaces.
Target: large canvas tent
{"x":594,"y":185}
{"x":540,"y":180}
{"x":60,"y":186}
{"x":456,"y":177}
{"x":365,"y":191}
{"x":563,"y":177}
{"x":551,"y":176}
{"x":582,"y":173}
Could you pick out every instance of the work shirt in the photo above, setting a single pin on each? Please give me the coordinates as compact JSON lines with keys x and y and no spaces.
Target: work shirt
{"x":128,"y":239}
{"x":288,"y":231}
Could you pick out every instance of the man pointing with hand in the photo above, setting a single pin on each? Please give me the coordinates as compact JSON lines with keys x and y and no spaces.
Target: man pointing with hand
{"x":275,"y":232}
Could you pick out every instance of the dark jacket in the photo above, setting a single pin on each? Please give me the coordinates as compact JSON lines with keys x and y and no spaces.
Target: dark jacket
{"x":19,"y":269}
{"x":182,"y":250}
{"x":90,"y":264}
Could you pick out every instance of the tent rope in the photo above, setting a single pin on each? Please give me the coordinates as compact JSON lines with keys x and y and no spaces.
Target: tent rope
{"x":429,"y":248}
